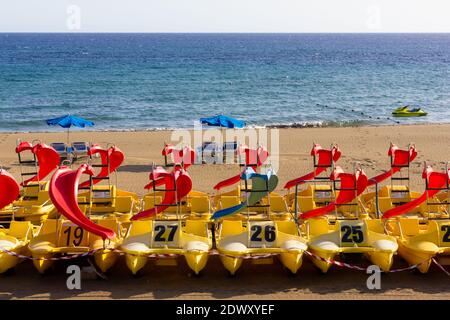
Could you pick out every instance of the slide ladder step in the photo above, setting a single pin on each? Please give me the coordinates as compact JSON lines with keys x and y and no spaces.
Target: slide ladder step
{"x":99,"y":166}
{"x":29,"y":173}
{"x":27,"y":161}
{"x":100,"y":178}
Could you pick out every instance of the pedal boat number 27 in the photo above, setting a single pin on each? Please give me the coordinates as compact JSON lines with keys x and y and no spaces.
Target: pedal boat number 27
{"x":167,"y":240}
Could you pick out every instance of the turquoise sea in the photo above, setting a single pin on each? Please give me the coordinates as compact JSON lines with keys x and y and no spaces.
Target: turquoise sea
{"x":151,"y":81}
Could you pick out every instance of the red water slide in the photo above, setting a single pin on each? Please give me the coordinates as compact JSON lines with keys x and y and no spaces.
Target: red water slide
{"x":63,"y":193}
{"x":177,"y":184}
{"x":47,"y":157}
{"x":9,"y":189}
{"x":186,"y":155}
{"x":253,"y":158}
{"x":351,"y":186}
{"x":115,"y":156}
{"x":436,"y":181}
{"x":326,"y":158}
{"x":399,"y":160}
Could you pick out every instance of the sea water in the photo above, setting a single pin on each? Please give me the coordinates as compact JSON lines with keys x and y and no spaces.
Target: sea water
{"x":153,"y":81}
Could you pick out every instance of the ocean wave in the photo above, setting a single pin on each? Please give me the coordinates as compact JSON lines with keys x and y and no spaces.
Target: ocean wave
{"x":319,"y":124}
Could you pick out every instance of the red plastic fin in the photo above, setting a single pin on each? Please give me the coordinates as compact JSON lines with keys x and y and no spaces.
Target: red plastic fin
{"x":228,"y":182}
{"x":183,"y":185}
{"x":168,"y":149}
{"x":185,"y":156}
{"x":241,"y":149}
{"x":347,"y":192}
{"x":325,"y":161}
{"x":156,"y":175}
{"x":258,"y":156}
{"x":63,"y":193}
{"x":252,"y":157}
{"x":9,"y":189}
{"x":24,"y":145}
{"x":436,"y":181}
{"x":48,"y":160}
{"x":116,"y":158}
{"x":400,"y":158}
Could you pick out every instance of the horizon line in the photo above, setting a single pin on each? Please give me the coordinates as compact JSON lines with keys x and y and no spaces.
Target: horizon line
{"x":222,"y":32}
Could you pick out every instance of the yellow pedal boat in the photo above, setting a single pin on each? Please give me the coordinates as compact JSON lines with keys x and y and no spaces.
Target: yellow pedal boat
{"x":33,"y":203}
{"x":170,"y":225}
{"x":245,"y":228}
{"x":15,"y":239}
{"x":102,"y":197}
{"x":60,"y":237}
{"x":384,"y":197}
{"x":238,"y":239}
{"x":427,"y":237}
{"x":166,"y":240}
{"x":342,"y":226}
{"x":79,"y":233}
{"x":328,"y":239}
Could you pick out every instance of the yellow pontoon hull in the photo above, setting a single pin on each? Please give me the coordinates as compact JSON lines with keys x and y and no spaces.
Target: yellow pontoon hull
{"x":42,"y":262}
{"x":105,"y":259}
{"x":195,"y":260}
{"x":8,"y":261}
{"x":238,"y":239}
{"x":351,"y":237}
{"x":384,"y":260}
{"x":14,"y":241}
{"x":147,"y":238}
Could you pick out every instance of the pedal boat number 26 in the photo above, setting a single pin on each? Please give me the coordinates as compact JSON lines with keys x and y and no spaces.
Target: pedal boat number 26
{"x":253,"y":234}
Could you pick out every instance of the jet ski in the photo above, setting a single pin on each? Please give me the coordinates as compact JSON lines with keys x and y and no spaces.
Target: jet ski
{"x":406,"y":112}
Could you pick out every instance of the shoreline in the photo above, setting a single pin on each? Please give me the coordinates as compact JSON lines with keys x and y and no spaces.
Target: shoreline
{"x":281,"y":126}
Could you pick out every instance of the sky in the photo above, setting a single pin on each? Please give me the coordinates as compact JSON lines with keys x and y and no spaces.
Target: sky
{"x":225,"y":16}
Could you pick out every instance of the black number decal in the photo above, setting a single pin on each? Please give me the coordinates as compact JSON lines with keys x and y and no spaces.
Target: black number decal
{"x":160,"y":230}
{"x":68,"y":236}
{"x":352,"y":234}
{"x":358,"y":235}
{"x":347,"y":230}
{"x":173,"y":229}
{"x":77,"y":234}
{"x":269,"y":233}
{"x":446,"y":237}
{"x":256,"y":233}
{"x":159,"y":233}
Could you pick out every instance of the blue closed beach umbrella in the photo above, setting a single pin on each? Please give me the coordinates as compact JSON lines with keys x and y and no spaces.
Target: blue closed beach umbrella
{"x":223,"y":121}
{"x":69,"y":121}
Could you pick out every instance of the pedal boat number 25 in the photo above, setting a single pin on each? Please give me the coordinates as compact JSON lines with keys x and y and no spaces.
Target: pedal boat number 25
{"x":352,"y":233}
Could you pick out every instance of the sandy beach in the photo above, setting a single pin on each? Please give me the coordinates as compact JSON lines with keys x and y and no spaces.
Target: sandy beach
{"x":366,"y":145}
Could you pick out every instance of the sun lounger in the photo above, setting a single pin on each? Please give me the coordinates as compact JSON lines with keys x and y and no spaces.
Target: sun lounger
{"x":230,"y":151}
{"x":61,"y":148}
{"x":209,"y":151}
{"x":80,"y":149}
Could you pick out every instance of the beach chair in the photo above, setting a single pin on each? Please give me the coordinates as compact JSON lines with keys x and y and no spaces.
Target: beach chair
{"x":79,"y":149}
{"x":209,"y":151}
{"x":61,"y":149}
{"x":229,"y":150}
